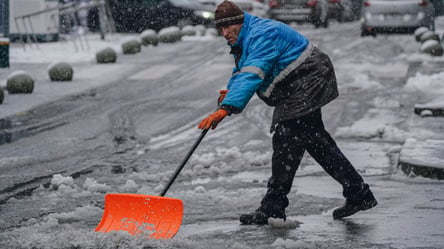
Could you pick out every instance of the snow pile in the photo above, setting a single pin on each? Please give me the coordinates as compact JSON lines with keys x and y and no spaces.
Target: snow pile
{"x":59,"y":180}
{"x":130,"y":186}
{"x":357,"y":81}
{"x":280,"y":243}
{"x":60,"y":231}
{"x":376,"y":124}
{"x":63,"y":185}
{"x":224,"y":160}
{"x":92,"y":186}
{"x":280,"y":223}
{"x":382,"y":102}
{"x":380,"y":123}
{"x":428,"y":84}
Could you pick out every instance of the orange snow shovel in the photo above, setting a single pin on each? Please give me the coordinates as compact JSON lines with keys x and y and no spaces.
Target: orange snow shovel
{"x":150,"y":216}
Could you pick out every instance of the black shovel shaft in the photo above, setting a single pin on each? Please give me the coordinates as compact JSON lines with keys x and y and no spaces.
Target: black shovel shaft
{"x":202,"y":135}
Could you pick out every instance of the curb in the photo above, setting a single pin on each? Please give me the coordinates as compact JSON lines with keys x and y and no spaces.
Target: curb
{"x":423,"y":158}
{"x":429,"y":110}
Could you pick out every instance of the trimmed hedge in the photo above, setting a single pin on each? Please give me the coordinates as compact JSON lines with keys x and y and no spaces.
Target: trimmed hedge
{"x":170,"y":35}
{"x":131,"y":47}
{"x":60,"y":71}
{"x":212,"y":32}
{"x":106,"y":55}
{"x":432,"y":47}
{"x":429,"y":35}
{"x":419,"y":32}
{"x":149,"y":37}
{"x":200,"y":29}
{"x":188,"y":31}
{"x":19,"y":82}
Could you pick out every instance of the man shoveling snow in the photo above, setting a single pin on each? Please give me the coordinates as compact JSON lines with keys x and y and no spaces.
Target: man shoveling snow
{"x":288,"y":72}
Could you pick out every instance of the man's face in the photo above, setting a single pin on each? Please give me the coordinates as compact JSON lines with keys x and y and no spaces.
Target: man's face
{"x":231,"y":32}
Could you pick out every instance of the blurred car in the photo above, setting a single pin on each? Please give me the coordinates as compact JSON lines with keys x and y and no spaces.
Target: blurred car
{"x":260,"y":8}
{"x":342,"y":10}
{"x":439,"y":7}
{"x":299,"y":11}
{"x":139,"y":15}
{"x":356,"y":7}
{"x":396,"y":16}
{"x":245,"y":5}
{"x":193,"y":13}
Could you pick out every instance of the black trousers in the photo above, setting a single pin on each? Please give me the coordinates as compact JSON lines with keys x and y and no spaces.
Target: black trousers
{"x":290,"y":141}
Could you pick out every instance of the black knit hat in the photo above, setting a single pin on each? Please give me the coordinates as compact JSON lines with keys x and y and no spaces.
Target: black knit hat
{"x":227,"y":13}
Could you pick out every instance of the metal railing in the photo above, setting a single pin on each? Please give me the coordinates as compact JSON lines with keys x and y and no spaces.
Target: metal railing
{"x":67,"y":10}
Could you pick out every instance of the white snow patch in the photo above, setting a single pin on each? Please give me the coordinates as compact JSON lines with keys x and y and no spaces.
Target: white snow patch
{"x":129,"y":187}
{"x":280,"y":223}
{"x":58,"y":180}
{"x":92,"y":185}
{"x":281,"y":243}
{"x":430,"y":44}
{"x":423,"y":152}
{"x":16,"y":72}
{"x":80,"y":213}
{"x":430,"y":84}
{"x":376,"y":123}
{"x":384,"y":102}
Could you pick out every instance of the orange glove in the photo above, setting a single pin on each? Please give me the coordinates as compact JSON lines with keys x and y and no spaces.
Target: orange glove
{"x":222,"y":95}
{"x":213,"y":119}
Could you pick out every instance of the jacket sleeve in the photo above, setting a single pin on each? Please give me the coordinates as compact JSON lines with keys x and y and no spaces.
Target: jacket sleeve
{"x":262,"y":54}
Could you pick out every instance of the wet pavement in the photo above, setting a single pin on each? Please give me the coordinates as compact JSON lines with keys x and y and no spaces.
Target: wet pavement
{"x":409,"y":213}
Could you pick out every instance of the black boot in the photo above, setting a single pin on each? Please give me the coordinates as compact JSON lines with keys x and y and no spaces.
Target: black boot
{"x":260,"y":216}
{"x":362,"y":200}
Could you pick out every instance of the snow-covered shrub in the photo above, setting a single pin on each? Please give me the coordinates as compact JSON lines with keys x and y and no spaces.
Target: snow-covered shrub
{"x":60,"y":71}
{"x":169,"y":35}
{"x":200,"y":29}
{"x":419,"y":31}
{"x":188,"y":31}
{"x":2,"y":95}
{"x":19,"y":82}
{"x":429,"y":35}
{"x":149,"y":37}
{"x":212,"y":32}
{"x":131,"y":47}
{"x":106,"y":55}
{"x":432,"y":47}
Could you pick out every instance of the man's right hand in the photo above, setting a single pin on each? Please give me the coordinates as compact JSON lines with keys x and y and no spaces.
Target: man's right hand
{"x":213,"y":119}
{"x":222,"y":95}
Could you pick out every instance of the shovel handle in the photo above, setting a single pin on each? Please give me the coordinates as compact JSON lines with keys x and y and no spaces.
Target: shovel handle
{"x":202,"y":135}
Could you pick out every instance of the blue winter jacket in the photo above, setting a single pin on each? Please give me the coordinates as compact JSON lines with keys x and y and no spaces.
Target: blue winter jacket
{"x":282,"y":67}
{"x":268,"y":47}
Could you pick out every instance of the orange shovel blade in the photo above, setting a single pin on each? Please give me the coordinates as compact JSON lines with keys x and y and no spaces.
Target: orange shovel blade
{"x":142,"y":215}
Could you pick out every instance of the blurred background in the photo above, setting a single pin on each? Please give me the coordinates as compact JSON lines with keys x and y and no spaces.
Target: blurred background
{"x":51,"y":20}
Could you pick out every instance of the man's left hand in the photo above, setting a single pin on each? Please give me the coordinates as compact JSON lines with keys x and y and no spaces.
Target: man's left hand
{"x":222,"y":94}
{"x":213,"y":119}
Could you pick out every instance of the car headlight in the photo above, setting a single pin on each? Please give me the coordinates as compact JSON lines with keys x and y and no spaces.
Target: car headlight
{"x":204,"y":14}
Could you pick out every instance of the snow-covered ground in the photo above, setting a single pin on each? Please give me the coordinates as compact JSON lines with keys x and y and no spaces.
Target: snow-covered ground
{"x":246,"y":167}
